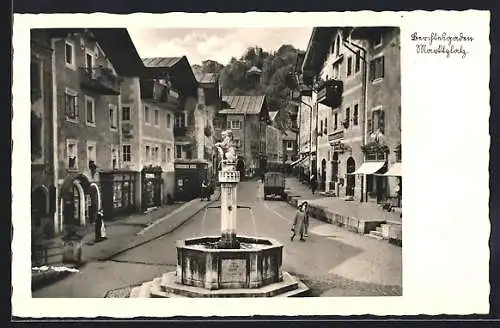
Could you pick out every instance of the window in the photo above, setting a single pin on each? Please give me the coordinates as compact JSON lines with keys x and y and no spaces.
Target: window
{"x":71,"y":105}
{"x":377,"y":42}
{"x":347,"y":117}
{"x":181,"y":119}
{"x":219,"y":123}
{"x":321,"y":128}
{"x":69,"y":54}
{"x":114,"y":157}
{"x":91,"y":152}
{"x":146,"y":114}
{"x":157,"y":117}
{"x":289,"y":145}
{"x":113,"y":117}
{"x":147,"y":154}
{"x":357,"y":65}
{"x":377,"y":121}
{"x":169,"y":121}
{"x":349,"y":66}
{"x":90,"y":110}
{"x":326,"y":126}
{"x":335,"y":121}
{"x":377,"y":68}
{"x":89,"y":60}
{"x":178,"y":151}
{"x":235,"y":124}
{"x":156,"y":154}
{"x":163,"y":153}
{"x":126,"y":113}
{"x":126,"y":153}
{"x":183,"y":151}
{"x":336,"y":71}
{"x":169,"y":154}
{"x":72,"y":154}
{"x":338,"y":45}
{"x":355,"y":115}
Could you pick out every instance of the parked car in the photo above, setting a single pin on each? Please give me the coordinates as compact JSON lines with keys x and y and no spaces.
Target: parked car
{"x":274,"y":185}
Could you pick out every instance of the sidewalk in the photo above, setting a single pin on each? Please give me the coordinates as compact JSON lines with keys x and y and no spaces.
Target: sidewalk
{"x":124,"y":234}
{"x":354,"y":215}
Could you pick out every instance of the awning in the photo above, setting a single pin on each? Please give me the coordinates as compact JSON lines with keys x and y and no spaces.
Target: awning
{"x":299,"y":160}
{"x":395,"y":171}
{"x":369,"y":168}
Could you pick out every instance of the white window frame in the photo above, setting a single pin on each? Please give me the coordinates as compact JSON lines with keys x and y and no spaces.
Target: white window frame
{"x":348,"y":77}
{"x":233,"y":127}
{"x":73,"y":93}
{"x":378,"y":45}
{"x":129,"y":112}
{"x":147,"y":153}
{"x":147,"y":115}
{"x":89,"y":157}
{"x":185,"y":120}
{"x":378,"y":79}
{"x":116,"y":149}
{"x":71,"y":65}
{"x":289,"y":145}
{"x":91,"y":99}
{"x":115,"y":117}
{"x":75,"y":143}
{"x":123,"y":153}
{"x":156,"y":117}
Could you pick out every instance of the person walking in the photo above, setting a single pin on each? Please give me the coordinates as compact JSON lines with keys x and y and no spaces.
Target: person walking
{"x":100,"y":230}
{"x":204,"y":189}
{"x":313,"y":184}
{"x":298,"y":223}
{"x":305,"y":207}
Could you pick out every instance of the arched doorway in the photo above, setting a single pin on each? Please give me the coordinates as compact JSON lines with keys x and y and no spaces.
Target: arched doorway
{"x":76,"y":201}
{"x":95,"y":202}
{"x":351,"y":179}
{"x":323,"y":174}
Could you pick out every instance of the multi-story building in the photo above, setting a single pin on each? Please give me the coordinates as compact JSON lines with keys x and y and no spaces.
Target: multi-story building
{"x":87,"y":65}
{"x":43,"y":129}
{"x":382,"y":149}
{"x":351,"y":89}
{"x":247,"y":117}
{"x":172,"y":130}
{"x":274,"y":148}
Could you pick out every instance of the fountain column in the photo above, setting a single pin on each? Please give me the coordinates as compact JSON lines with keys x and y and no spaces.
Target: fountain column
{"x":229,"y":178}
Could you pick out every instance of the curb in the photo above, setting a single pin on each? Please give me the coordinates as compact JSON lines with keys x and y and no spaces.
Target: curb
{"x":172,"y":228}
{"x":359,"y":226}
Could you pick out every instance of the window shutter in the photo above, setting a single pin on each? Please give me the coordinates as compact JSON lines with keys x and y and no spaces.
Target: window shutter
{"x":382,"y":66}
{"x":77,"y":108}
{"x":372,"y":70}
{"x":381,"y":121}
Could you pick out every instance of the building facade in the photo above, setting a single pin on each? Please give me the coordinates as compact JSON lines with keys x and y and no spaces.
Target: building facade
{"x":87,"y":65}
{"x":247,"y":117}
{"x":354,"y":91}
{"x":43,"y":130}
{"x":274,"y":148}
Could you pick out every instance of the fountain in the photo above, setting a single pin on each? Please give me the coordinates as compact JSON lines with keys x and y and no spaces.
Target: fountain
{"x":228,"y":265}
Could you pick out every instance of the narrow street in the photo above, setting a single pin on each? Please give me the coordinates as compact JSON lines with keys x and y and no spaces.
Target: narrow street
{"x":332,"y":262}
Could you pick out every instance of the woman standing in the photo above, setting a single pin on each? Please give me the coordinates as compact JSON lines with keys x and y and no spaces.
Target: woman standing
{"x":299,"y":222}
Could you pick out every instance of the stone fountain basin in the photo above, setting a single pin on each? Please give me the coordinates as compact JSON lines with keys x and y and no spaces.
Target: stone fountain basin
{"x":256,"y":264}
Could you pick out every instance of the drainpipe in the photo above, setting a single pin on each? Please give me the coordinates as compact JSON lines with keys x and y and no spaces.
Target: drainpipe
{"x":55,"y":158}
{"x":365,"y":102}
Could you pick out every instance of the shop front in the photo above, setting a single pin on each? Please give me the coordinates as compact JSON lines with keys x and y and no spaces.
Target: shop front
{"x":152,"y":184}
{"x":189,"y":175}
{"x":118,"y":193}
{"x":77,"y":208}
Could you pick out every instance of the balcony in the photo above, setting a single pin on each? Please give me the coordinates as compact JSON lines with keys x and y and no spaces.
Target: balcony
{"x":127,"y":130}
{"x":330,"y":93}
{"x":180,"y":131}
{"x":100,"y":80}
{"x":336,"y":136}
{"x":160,"y":93}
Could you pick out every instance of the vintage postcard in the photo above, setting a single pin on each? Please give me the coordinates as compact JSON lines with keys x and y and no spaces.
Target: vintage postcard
{"x":251,"y":164}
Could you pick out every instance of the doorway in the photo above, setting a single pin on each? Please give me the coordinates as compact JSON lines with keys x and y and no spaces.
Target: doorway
{"x":323,"y":175}
{"x":351,"y":179}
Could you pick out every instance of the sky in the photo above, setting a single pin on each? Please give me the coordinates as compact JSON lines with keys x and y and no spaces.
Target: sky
{"x":214,"y":43}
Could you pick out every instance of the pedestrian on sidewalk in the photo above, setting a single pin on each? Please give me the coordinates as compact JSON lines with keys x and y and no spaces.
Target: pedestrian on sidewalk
{"x":204,"y":189}
{"x":299,"y":222}
{"x":313,"y":183}
{"x":305,"y":206}
{"x":100,"y":230}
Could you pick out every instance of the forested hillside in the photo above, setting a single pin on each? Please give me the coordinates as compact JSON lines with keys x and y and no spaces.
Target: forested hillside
{"x":275,"y":66}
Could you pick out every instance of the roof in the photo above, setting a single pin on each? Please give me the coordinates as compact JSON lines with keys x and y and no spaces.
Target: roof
{"x":166,"y":62}
{"x":177,"y":68}
{"x":317,"y":48}
{"x":272,"y":115}
{"x":243,"y":104}
{"x":206,"y":78}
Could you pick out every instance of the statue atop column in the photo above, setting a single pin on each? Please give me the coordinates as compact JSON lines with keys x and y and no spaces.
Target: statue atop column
{"x":226,"y":150}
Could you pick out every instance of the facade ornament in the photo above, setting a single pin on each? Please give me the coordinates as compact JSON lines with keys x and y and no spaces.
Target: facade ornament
{"x":226,"y":150}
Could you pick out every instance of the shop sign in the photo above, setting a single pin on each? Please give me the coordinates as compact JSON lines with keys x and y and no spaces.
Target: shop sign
{"x":150,"y":176}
